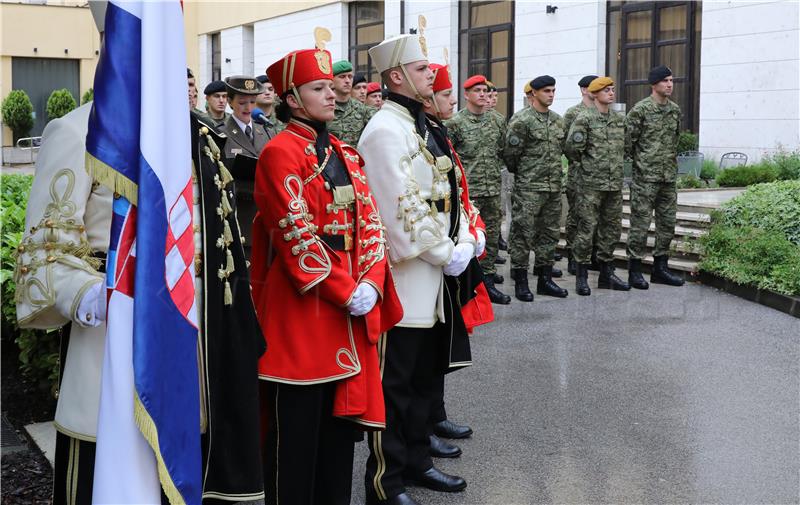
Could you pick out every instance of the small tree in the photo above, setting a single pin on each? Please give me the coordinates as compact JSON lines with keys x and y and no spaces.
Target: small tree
{"x":18,"y":113}
{"x":60,"y":103}
{"x":88,"y":96}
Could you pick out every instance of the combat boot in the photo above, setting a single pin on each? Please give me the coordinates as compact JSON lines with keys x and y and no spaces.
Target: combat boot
{"x":546,"y":286}
{"x":502,"y":244}
{"x":498,"y":279}
{"x":595,"y":264}
{"x":570,"y":262}
{"x":495,"y":295}
{"x":635,"y":277}
{"x":661,"y":273}
{"x":609,"y":280}
{"x":521,"y":290}
{"x":556,"y":273}
{"x":582,"y":279}
{"x":499,"y":260}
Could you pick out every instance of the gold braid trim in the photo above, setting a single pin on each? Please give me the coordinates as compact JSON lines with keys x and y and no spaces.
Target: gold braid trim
{"x":112,"y":179}
{"x":150,"y":433}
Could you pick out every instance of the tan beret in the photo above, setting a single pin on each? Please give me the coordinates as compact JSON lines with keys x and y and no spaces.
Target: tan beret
{"x":600,"y":83}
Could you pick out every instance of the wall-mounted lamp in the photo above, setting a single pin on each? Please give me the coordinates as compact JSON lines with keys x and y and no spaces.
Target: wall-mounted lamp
{"x":66,"y":51}
{"x":35,"y":49}
{"x":551,"y":9}
{"x":227,"y":60}
{"x":412,"y":31}
{"x":96,"y":52}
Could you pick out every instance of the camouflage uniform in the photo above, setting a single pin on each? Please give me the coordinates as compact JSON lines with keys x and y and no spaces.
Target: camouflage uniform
{"x":478,"y":139}
{"x":597,"y":142}
{"x":216,"y":123}
{"x":349,"y":120}
{"x":534,"y":144}
{"x":653,"y":130}
{"x":573,"y":173}
{"x":277,"y":125}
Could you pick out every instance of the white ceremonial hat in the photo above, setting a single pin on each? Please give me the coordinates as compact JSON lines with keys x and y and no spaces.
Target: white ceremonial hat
{"x":398,"y":50}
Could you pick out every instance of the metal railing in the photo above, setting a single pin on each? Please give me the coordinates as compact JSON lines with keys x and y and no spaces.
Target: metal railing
{"x":33,"y":144}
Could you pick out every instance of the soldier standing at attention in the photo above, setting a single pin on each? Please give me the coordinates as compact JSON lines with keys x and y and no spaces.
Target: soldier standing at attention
{"x":351,"y":116}
{"x":374,"y":95}
{"x":359,"y":91}
{"x":653,"y":125}
{"x":534,"y":144}
{"x":573,"y":172}
{"x":216,"y":100}
{"x":478,"y":138}
{"x":268,"y":102}
{"x":597,"y":141}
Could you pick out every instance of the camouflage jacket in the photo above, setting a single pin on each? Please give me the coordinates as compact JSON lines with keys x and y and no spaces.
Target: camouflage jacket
{"x":597,"y":141}
{"x":573,"y":172}
{"x":216,"y":123}
{"x":277,"y":125}
{"x":349,"y":121}
{"x":653,"y":130}
{"x":534,"y":144}
{"x":479,"y":140}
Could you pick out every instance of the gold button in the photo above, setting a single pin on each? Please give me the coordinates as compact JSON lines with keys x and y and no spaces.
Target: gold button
{"x":49,"y":223}
{"x":51,"y":259}
{"x":24,"y":270}
{"x":21,"y":248}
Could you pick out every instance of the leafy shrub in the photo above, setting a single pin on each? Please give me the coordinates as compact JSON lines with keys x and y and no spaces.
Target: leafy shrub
{"x":38,"y":348}
{"x":88,"y":96}
{"x":688,"y":181}
{"x":60,"y":103}
{"x":709,"y":170}
{"x":771,"y":207}
{"x":18,"y":113}
{"x":687,"y":141}
{"x":747,"y":175}
{"x":787,"y":164}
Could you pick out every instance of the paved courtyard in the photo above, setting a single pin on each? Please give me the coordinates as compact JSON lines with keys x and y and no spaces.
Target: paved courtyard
{"x":672,"y":395}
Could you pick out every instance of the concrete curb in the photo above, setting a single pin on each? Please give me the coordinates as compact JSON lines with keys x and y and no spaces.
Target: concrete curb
{"x":784,"y":303}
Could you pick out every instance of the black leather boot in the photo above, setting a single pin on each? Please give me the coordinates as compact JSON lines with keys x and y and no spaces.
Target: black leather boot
{"x":499,"y":260}
{"x":661,"y":273}
{"x":557,"y":257}
{"x":582,"y":279}
{"x":498,"y":279}
{"x":595,"y":264}
{"x":546,"y":286}
{"x":635,"y":277}
{"x":502,"y":244}
{"x":570,"y":262}
{"x":495,"y":295}
{"x":521,"y":290}
{"x":556,"y":274}
{"x":609,"y":280}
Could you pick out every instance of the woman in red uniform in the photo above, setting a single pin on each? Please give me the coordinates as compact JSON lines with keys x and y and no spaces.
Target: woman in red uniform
{"x":322,"y":289}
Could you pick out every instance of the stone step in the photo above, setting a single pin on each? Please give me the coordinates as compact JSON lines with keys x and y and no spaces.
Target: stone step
{"x":690,"y":232}
{"x":697,"y":219}
{"x":682,"y":207}
{"x":677,"y":261}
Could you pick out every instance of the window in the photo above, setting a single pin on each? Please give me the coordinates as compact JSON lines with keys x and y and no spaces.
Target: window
{"x":642,"y":35}
{"x":486,"y":47}
{"x":366,"y":30}
{"x":216,"y":55}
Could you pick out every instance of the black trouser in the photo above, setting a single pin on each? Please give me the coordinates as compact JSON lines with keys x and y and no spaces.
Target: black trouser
{"x":410,"y":367}
{"x":438,"y":412}
{"x":309,"y":453}
{"x":73,"y":475}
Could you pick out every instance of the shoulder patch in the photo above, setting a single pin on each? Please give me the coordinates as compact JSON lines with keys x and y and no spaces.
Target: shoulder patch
{"x":577,"y":137}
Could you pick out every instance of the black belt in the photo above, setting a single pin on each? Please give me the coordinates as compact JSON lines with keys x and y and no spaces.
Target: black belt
{"x":338,"y":242}
{"x":440,"y":204}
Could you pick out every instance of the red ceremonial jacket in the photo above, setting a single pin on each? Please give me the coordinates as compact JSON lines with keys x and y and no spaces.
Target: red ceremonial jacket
{"x":301,"y":285}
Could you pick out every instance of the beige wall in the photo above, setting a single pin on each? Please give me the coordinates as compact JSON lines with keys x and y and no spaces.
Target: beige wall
{"x":202,"y":16}
{"x":50,"y":29}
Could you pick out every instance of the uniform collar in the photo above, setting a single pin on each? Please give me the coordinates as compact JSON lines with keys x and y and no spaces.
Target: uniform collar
{"x":414,"y":108}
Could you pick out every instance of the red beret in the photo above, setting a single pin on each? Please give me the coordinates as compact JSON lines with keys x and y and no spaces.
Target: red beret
{"x":373,"y":87}
{"x":474,"y":81}
{"x":298,"y":68}
{"x":441,"y":77}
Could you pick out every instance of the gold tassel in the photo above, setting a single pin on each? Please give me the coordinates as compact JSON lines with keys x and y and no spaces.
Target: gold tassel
{"x":226,"y":205}
{"x":228,"y":293}
{"x":229,"y":261}
{"x":226,"y":234}
{"x":227,"y":178}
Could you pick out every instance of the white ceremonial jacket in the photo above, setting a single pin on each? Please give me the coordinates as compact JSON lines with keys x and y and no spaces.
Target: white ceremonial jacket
{"x":68,"y":219}
{"x":401,"y":180}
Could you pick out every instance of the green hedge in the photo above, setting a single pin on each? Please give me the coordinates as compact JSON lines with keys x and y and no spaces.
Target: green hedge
{"x":17,"y":112}
{"x":755,"y":238}
{"x":38,"y":348}
{"x":747,"y":175}
{"x":60,"y":103}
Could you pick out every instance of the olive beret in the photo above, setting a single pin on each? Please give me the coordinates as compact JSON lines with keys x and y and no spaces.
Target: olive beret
{"x":600,"y":83}
{"x":342,"y":66}
{"x":658,"y":74}
{"x":586,"y":80}
{"x":214,"y":87}
{"x":543,"y":81}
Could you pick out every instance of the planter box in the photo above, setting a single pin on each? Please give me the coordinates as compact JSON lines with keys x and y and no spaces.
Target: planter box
{"x":784,"y":303}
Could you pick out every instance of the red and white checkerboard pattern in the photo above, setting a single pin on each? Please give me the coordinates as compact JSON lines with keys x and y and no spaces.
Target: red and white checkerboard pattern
{"x":180,"y":255}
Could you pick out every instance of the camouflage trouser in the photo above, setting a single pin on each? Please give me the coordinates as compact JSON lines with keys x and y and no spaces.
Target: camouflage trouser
{"x":507,"y":187}
{"x":601,"y":212}
{"x":492,"y":215}
{"x":646,"y":197}
{"x":534,"y":227}
{"x":572,"y":216}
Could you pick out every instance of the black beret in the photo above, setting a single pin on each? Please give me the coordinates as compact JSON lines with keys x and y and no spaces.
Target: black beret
{"x":359,"y":78}
{"x":262,"y":78}
{"x":658,"y":74}
{"x":586,"y":81}
{"x":189,"y":74}
{"x":214,"y":87}
{"x":542,"y":81}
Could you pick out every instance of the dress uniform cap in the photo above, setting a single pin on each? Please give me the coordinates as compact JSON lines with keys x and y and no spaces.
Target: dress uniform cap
{"x":586,"y":80}
{"x":342,"y":66}
{"x":658,"y":74}
{"x":398,"y":50}
{"x":243,"y":85}
{"x":542,"y":81}
{"x":263,"y":79}
{"x":214,"y":87}
{"x":600,"y":83}
{"x":441,"y":77}
{"x":474,"y":81}
{"x":298,"y":68}
{"x":373,"y":87}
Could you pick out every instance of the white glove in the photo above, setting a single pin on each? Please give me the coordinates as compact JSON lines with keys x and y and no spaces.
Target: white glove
{"x":363,"y":299}
{"x":460,"y":259}
{"x":91,"y":310}
{"x":481,"y":243}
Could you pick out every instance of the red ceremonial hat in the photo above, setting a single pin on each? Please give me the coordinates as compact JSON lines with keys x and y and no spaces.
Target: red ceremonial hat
{"x":373,"y":87}
{"x":441,"y":77}
{"x":298,"y":68}
{"x":474,"y":81}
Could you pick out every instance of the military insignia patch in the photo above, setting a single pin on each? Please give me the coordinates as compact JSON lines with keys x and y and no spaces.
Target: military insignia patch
{"x":577,"y":136}
{"x":323,"y":61}
{"x":249,"y":84}
{"x":513,"y":140}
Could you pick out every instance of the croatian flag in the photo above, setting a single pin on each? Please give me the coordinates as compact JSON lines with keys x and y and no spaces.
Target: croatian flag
{"x":138,"y":144}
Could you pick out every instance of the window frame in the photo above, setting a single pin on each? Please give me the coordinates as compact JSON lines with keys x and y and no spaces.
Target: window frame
{"x":356,"y":46}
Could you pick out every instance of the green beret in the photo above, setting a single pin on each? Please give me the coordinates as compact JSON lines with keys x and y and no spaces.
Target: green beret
{"x":341,"y":67}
